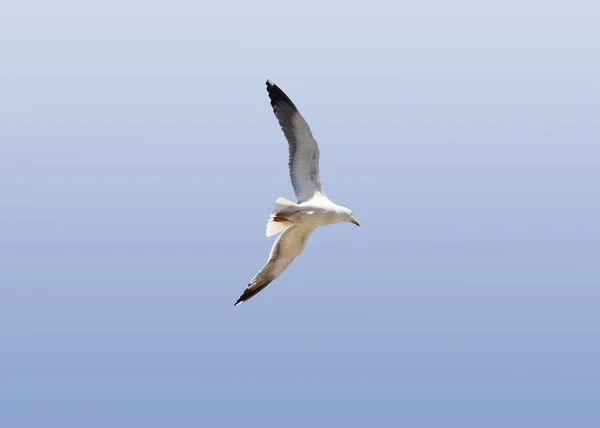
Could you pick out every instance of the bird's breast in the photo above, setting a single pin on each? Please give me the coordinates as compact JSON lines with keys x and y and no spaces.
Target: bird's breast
{"x":316,"y":216}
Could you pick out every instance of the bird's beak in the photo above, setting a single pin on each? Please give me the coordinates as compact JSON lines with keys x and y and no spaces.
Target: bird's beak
{"x":353,"y":221}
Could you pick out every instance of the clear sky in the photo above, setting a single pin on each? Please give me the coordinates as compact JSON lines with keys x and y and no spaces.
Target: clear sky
{"x":140,"y":159}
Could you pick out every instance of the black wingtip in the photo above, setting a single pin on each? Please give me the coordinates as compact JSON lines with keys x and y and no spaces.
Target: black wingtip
{"x":245,"y":296}
{"x":251,"y":292}
{"x":277,"y":96}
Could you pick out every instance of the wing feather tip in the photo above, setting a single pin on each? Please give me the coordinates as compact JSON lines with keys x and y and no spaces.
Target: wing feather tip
{"x":242,"y":298}
{"x":278,"y":98}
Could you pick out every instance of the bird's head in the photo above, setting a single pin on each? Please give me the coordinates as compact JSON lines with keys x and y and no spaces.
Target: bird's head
{"x":349,"y":217}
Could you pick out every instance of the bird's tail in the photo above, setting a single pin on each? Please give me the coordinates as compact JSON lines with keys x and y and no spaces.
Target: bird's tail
{"x":282,"y":205}
{"x":278,"y":222}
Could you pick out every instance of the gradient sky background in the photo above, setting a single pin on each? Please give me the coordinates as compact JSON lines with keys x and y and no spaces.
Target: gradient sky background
{"x":140,"y":159}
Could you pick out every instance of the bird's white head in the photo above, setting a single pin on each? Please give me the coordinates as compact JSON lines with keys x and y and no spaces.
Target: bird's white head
{"x":348,"y":216}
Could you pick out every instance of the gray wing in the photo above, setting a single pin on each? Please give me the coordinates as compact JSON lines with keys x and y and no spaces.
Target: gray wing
{"x":304,"y":151}
{"x":286,"y":249}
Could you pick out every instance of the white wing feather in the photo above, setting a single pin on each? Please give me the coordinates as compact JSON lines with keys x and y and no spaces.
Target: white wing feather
{"x":286,"y":249}
{"x":303,"y":148}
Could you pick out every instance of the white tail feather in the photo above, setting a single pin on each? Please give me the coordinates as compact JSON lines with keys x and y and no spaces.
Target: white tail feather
{"x":275,"y":227}
{"x":282,"y":205}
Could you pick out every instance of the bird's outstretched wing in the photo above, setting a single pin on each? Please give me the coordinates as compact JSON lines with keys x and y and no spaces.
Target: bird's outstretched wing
{"x":304,"y":151}
{"x":286,"y":249}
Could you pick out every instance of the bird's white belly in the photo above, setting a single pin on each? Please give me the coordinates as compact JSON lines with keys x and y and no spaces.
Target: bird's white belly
{"x":315,"y":216}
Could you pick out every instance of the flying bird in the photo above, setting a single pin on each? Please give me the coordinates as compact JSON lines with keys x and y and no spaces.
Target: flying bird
{"x":295,"y":221}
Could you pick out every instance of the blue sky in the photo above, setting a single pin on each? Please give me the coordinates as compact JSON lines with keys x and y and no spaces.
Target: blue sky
{"x":140,"y":159}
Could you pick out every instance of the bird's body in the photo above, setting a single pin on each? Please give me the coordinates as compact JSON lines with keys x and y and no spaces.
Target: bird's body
{"x":295,"y":221}
{"x":317,"y":212}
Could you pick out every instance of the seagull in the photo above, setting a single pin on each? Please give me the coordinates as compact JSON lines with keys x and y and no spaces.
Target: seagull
{"x":295,"y":221}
